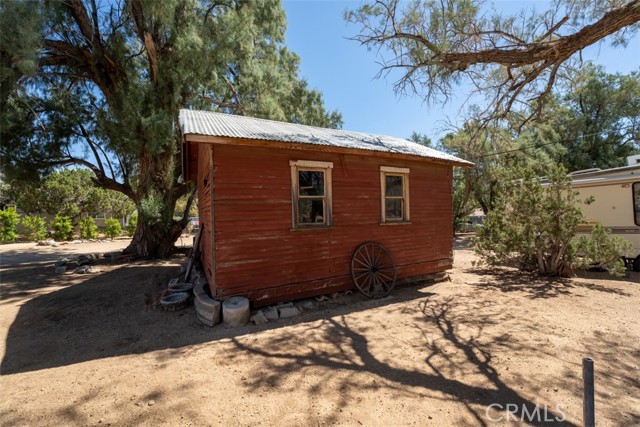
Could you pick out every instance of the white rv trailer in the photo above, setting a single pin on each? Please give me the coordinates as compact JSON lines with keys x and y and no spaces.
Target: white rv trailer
{"x":617,"y":202}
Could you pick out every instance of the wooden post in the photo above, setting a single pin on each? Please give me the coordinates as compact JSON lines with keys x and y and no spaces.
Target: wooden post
{"x":588,"y":408}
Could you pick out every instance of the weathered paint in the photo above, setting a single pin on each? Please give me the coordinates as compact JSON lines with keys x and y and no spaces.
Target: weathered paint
{"x":205,"y":182}
{"x":256,"y":252}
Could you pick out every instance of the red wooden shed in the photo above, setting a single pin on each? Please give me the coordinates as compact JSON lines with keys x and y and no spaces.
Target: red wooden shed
{"x":284,"y":207}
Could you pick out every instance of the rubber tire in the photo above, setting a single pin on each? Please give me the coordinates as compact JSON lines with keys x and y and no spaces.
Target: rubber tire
{"x":175,"y":302}
{"x":181,"y":287}
{"x":636,"y":263}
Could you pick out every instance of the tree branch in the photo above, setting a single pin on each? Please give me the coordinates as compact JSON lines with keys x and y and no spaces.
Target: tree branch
{"x":146,"y":37}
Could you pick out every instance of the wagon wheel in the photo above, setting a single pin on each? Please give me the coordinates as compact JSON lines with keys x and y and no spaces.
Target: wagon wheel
{"x":373,"y":270}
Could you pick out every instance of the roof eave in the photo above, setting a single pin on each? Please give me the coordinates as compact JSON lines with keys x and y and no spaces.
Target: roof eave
{"x":277,"y":144}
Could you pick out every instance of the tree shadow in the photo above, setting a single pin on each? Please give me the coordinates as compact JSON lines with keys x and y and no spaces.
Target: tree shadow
{"x":533,"y":285}
{"x":457,"y":367}
{"x":108,"y":314}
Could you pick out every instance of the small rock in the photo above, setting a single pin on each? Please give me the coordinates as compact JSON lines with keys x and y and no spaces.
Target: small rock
{"x":83,"y":259}
{"x":60,"y":270}
{"x":151,"y":403}
{"x":83,"y":269}
{"x":287,"y":312}
{"x":307,"y":304}
{"x":271,"y":314}
{"x":259,"y":318}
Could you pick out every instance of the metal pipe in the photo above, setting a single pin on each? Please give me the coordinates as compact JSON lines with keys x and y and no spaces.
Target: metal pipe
{"x":588,"y":407}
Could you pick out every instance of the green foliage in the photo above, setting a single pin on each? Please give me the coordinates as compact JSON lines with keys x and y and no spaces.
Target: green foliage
{"x":107,"y":97}
{"x":601,"y":250}
{"x":9,"y":219}
{"x":595,"y":119}
{"x":509,"y":59}
{"x":421,"y":139}
{"x":62,"y":228}
{"x":69,"y":192}
{"x":88,"y":228}
{"x":533,"y":227}
{"x":34,"y":227}
{"x":112,"y":228}
{"x":131,"y":226}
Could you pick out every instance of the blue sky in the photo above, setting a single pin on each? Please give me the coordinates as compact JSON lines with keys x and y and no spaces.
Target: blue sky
{"x":345,"y":72}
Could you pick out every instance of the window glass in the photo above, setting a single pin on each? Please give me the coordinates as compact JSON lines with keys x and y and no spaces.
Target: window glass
{"x":310,"y":211}
{"x":395,"y":194}
{"x":393,"y":185}
{"x":311,"y":193}
{"x":393,"y":209}
{"x":311,"y":183}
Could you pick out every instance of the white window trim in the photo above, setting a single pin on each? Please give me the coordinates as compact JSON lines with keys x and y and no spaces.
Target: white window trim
{"x":393,"y":171}
{"x":310,"y":165}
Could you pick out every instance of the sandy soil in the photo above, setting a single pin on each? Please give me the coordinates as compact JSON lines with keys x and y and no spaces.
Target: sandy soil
{"x":83,"y":350}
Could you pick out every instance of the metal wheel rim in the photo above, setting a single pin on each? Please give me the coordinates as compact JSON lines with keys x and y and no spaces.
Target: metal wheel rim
{"x":373,"y":270}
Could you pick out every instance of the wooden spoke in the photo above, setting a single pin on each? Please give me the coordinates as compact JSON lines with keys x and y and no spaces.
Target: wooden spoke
{"x":373,"y":270}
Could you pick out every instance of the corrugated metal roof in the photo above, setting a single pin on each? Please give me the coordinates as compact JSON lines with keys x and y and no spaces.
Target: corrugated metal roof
{"x":219,"y":124}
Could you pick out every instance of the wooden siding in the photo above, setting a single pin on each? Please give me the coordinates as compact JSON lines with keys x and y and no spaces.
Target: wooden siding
{"x":205,"y":182}
{"x":259,"y":255}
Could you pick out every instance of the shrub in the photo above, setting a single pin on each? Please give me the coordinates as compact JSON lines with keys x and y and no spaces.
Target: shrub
{"x":62,"y":228}
{"x":601,"y":250}
{"x":131,"y":227}
{"x":533,"y":227}
{"x":88,"y":228}
{"x":34,"y":227}
{"x":112,"y":228}
{"x":8,"y":220}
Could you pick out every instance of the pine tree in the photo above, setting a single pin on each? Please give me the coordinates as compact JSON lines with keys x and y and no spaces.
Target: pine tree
{"x":100,"y":84}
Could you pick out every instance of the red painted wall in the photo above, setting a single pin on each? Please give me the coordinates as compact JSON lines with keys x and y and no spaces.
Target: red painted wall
{"x":204,"y":181}
{"x":258,"y":255}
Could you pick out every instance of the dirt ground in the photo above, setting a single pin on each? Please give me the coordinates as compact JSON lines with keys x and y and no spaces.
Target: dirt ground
{"x":83,"y":350}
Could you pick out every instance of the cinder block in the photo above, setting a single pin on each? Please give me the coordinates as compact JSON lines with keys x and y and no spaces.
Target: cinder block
{"x":286,"y":312}
{"x":208,"y":309}
{"x":199,"y":290}
{"x":271,"y":314}
{"x":259,"y":318}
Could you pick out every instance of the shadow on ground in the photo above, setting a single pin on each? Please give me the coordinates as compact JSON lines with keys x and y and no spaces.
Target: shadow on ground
{"x":535,"y":286}
{"x":457,"y":366}
{"x":108,"y":314}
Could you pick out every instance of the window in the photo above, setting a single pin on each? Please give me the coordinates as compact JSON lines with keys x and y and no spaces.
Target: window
{"x":311,"y":193}
{"x":636,"y":202}
{"x":395,"y":194}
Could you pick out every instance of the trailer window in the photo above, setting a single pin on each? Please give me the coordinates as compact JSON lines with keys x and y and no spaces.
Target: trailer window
{"x":311,"y":193}
{"x":636,"y":202}
{"x":394,"y":192}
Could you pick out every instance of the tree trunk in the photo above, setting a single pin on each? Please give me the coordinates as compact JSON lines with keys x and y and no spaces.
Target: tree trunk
{"x":155,"y":197}
{"x":154,"y":241}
